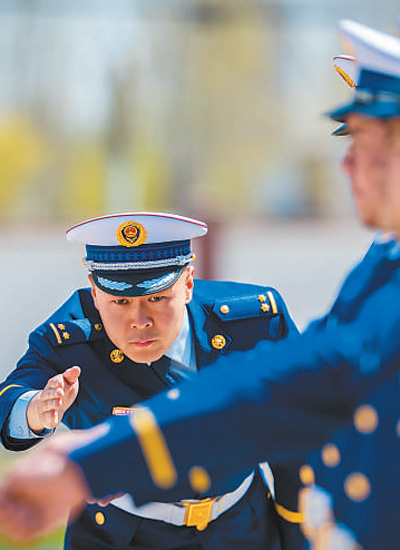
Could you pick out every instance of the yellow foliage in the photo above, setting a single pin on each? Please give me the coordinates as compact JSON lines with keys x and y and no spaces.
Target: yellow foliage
{"x":85,"y":180}
{"x":23,"y":154}
{"x":151,"y":171}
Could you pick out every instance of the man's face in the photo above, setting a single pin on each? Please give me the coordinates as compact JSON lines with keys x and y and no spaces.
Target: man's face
{"x":367,"y":162}
{"x":392,"y":210}
{"x":144,"y":327}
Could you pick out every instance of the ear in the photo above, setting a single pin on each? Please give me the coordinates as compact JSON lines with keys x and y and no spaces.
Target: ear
{"x":93,"y":290}
{"x":189,"y":283}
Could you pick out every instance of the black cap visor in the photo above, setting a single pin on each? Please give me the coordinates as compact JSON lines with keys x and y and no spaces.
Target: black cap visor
{"x":378,"y":109}
{"x":341,"y":131}
{"x":136,"y":283}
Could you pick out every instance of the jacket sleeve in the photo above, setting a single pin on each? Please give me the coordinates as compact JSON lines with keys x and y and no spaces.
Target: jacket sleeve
{"x":32,"y":373}
{"x":311,"y":386}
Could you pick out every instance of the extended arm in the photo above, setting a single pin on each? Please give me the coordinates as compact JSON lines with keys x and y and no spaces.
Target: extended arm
{"x":311,"y":387}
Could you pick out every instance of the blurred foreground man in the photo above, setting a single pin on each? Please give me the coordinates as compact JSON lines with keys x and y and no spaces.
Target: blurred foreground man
{"x":144,"y":326}
{"x":336,"y":385}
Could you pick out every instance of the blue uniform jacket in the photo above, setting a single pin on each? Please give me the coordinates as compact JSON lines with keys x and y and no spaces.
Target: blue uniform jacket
{"x":224,"y":317}
{"x":295,"y":395}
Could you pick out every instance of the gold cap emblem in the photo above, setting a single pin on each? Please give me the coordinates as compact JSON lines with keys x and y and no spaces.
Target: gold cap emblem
{"x":218,"y":342}
{"x":117,"y":356}
{"x":224,"y":309}
{"x":131,"y":234}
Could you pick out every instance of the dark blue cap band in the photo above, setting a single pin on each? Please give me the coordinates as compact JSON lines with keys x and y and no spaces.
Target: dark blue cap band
{"x":378,"y":82}
{"x":376,"y":95}
{"x":144,"y":253}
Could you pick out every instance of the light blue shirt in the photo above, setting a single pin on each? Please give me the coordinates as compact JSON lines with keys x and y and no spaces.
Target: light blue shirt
{"x":18,"y":423}
{"x":183,"y":362}
{"x":182,"y":352}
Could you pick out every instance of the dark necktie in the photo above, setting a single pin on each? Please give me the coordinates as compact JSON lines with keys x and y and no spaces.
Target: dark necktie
{"x":162,"y":369}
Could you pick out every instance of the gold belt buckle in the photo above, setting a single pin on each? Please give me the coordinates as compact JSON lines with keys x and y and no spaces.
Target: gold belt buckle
{"x":198,"y":514}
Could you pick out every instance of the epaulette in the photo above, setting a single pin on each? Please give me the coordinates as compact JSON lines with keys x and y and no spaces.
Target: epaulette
{"x":245,"y":307}
{"x":72,"y":332}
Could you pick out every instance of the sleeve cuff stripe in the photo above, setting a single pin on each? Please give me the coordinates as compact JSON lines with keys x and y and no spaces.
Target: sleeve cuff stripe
{"x":155,"y":449}
{"x":9,"y":387}
{"x":292,"y":517}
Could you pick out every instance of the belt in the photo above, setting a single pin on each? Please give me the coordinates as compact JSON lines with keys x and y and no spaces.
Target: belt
{"x":189,"y":513}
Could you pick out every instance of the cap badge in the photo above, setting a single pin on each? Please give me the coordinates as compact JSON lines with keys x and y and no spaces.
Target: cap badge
{"x":131,"y":234}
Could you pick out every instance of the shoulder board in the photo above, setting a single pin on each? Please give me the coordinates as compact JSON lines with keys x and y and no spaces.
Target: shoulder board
{"x":72,"y":332}
{"x":244,"y":307}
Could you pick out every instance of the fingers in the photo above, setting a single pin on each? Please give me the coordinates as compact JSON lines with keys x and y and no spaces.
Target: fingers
{"x":51,"y":406}
{"x":38,"y":493}
{"x":72,"y":374}
{"x":105,"y":501}
{"x":49,"y":412}
{"x":64,"y":380}
{"x":57,"y":396}
{"x":57,"y":382}
{"x":16,"y":520}
{"x":46,"y":409}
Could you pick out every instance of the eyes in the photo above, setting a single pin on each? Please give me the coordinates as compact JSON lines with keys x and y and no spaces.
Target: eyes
{"x":154,"y":299}
{"x":125,"y":301}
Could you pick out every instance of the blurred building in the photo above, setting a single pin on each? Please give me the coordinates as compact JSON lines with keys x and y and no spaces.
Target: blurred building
{"x":207,"y":107}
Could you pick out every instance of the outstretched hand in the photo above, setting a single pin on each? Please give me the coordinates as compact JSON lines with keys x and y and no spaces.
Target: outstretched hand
{"x":45,"y":488}
{"x":38,"y":495}
{"x":47,"y":408}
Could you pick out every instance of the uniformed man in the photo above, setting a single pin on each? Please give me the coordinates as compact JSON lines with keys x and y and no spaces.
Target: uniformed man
{"x":142,"y":327}
{"x":335,"y":385}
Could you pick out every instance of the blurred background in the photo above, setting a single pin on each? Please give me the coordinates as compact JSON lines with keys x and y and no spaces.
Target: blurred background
{"x":206,"y":108}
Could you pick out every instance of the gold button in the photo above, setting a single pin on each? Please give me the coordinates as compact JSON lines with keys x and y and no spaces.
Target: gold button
{"x":100,"y":518}
{"x":357,"y":486}
{"x":264,"y":307}
{"x":262,"y":298}
{"x":330,"y":455}
{"x":117,"y":356}
{"x":98,"y":326}
{"x":61,"y":326}
{"x":66,"y":335}
{"x":306,"y":474}
{"x":199,"y":479}
{"x":224,"y":309}
{"x":365,"y":419}
{"x":218,"y":342}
